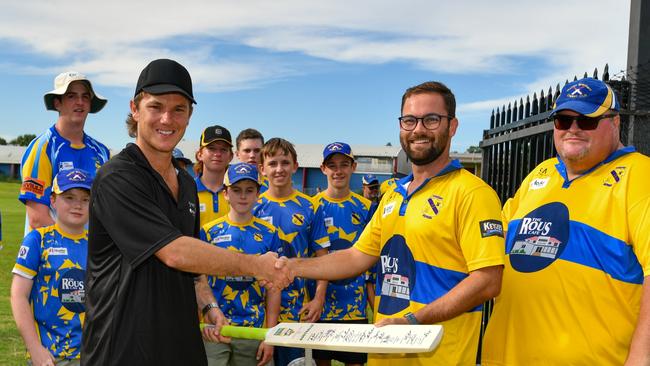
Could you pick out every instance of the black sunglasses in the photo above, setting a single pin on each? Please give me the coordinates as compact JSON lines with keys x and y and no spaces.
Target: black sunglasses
{"x":564,"y":122}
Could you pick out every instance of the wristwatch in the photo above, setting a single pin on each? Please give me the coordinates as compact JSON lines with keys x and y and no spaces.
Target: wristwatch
{"x":411,"y":318}
{"x":207,"y":308}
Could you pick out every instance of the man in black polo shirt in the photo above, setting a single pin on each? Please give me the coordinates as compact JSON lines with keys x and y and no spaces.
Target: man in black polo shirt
{"x":141,"y":303}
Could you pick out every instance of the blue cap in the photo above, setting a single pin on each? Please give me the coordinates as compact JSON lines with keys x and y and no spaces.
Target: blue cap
{"x":241,"y":171}
{"x":72,"y":178}
{"x":178,"y":155}
{"x":369,"y":179}
{"x":589,"y":97}
{"x":337,"y":148}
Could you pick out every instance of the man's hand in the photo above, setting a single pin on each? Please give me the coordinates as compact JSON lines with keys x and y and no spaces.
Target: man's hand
{"x":389,"y":321}
{"x":213,"y":334}
{"x":311,"y":311}
{"x":264,"y":354}
{"x":41,"y":356}
{"x":272,"y":272}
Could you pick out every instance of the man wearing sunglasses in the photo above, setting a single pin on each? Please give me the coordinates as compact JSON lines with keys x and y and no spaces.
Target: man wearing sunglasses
{"x":576,"y":288}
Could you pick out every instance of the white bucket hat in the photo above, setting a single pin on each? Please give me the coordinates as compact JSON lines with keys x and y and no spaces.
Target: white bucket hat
{"x":61,"y":83}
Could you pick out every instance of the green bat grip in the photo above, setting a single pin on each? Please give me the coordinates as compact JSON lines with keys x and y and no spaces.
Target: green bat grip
{"x":241,"y":332}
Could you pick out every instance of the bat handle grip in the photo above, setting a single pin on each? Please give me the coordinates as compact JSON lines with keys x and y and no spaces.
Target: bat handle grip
{"x":244,"y":332}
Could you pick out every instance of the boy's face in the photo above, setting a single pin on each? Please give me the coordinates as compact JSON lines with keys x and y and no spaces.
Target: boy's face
{"x":278,"y":169}
{"x":249,"y":151}
{"x":338,"y":168}
{"x":242,"y":196}
{"x":71,"y":207}
{"x":216,"y":156}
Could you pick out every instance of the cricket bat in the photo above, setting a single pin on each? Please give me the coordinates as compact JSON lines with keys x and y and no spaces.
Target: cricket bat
{"x":364,"y":338}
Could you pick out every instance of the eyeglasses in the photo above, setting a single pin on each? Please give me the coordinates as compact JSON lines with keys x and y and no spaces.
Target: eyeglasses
{"x":431,"y":121}
{"x":564,"y":122}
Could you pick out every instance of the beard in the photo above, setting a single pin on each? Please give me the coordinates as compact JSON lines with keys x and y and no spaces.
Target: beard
{"x":429,"y":155}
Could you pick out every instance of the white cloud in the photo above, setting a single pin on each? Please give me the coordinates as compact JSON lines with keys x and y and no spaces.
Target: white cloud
{"x":112,"y":40}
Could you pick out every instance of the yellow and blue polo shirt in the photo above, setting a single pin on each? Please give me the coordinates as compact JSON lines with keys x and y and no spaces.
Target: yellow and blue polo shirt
{"x":577,"y":253}
{"x":427,"y":243}
{"x":212,"y":205}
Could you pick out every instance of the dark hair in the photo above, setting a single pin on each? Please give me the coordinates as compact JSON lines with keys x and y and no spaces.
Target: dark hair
{"x":276,"y":145}
{"x":433,"y":87}
{"x":248,"y":134}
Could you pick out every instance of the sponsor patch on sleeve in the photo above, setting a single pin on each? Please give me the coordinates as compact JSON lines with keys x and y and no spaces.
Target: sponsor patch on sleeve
{"x":22,"y":252}
{"x":491,"y":228}
{"x":33,"y":185}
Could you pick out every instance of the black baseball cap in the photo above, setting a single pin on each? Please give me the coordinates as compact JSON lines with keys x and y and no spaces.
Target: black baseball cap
{"x":164,"y":76}
{"x":215,"y":133}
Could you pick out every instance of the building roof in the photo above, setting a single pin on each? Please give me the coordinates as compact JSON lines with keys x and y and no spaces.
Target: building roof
{"x":10,"y":154}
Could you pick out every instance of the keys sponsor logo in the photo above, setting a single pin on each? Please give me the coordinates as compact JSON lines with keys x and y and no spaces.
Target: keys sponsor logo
{"x":491,"y":228}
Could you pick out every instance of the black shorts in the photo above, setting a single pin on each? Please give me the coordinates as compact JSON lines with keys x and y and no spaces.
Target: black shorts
{"x":345,"y":357}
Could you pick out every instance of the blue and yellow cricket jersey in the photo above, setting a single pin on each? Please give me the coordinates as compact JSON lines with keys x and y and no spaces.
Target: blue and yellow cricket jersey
{"x":241,"y":298}
{"x":56,"y":262}
{"x":427,"y":243}
{"x":212,"y":205}
{"x":50,"y":153}
{"x":577,"y":254}
{"x":344,"y":220}
{"x":300,"y":237}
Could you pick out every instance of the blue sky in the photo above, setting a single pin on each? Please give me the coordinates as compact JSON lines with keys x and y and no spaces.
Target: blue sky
{"x":312,"y":72}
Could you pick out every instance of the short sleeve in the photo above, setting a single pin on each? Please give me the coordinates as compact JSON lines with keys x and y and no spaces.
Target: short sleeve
{"x":29,"y":256}
{"x":480,"y":229}
{"x":125,"y":205}
{"x":36,"y":173}
{"x":369,"y":241}
{"x":639,"y":221}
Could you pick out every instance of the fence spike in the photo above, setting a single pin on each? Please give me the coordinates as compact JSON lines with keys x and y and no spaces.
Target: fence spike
{"x":606,"y":73}
{"x":542,"y":102}
{"x":521,"y":108}
{"x":585,"y":76}
{"x":535,"y":107}
{"x":595,"y":73}
{"x":575,"y":78}
{"x":492,"y":120}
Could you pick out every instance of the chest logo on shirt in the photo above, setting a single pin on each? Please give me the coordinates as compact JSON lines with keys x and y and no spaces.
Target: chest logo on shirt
{"x":201,"y":207}
{"x":614,"y":176}
{"x":72,"y":290}
{"x":539,"y":183}
{"x":66,"y":165}
{"x":356,"y":219}
{"x":222,"y":238}
{"x":257,"y":237}
{"x":329,"y":221}
{"x":433,"y":207}
{"x":298,"y":219}
{"x":540,"y":238}
{"x":388,"y":209}
{"x":396,"y":271}
{"x":268,"y":219}
{"x":57,"y":251}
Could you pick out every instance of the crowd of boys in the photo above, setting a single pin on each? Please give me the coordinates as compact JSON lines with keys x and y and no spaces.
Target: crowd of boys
{"x":137,"y":259}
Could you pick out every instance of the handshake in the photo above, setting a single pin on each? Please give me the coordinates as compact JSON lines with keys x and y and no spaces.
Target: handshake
{"x":272,"y":271}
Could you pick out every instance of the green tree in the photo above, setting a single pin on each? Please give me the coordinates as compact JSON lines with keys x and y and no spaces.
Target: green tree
{"x":474,"y":149}
{"x":3,"y":141}
{"x":22,"y":140}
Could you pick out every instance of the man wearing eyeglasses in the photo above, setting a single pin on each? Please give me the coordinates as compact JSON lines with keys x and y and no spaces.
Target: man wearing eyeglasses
{"x":575,"y":286}
{"x":436,"y":237}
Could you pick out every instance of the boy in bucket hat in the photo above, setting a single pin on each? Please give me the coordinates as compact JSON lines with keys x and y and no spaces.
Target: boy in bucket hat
{"x":63,"y":146}
{"x":47,"y":291}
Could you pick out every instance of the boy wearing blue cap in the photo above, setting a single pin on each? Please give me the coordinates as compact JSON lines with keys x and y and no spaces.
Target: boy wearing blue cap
{"x":345,"y":215}
{"x":241,"y":298}
{"x":575,"y":285}
{"x":47,"y":291}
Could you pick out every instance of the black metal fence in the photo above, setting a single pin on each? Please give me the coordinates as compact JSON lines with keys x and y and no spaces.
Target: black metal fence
{"x":521,"y":135}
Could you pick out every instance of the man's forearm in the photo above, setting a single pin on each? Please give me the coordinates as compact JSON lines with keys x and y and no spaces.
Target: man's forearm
{"x":333,"y":266}
{"x":204,"y":294}
{"x":480,"y":286}
{"x":640,"y":346}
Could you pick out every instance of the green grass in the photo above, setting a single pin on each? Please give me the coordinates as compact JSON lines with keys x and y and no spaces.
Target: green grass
{"x":12,"y":349}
